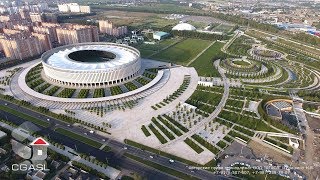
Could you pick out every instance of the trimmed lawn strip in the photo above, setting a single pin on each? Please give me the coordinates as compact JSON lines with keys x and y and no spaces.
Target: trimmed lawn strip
{"x":157,"y":134}
{"x":170,"y":126}
{"x":221,"y":144}
{"x":160,"y":167}
{"x":205,"y":144}
{"x":24,"y":116}
{"x":145,"y":131}
{"x":193,"y":145}
{"x":79,"y":138}
{"x":163,"y":129}
{"x":184,"y":129}
{"x":235,"y":134}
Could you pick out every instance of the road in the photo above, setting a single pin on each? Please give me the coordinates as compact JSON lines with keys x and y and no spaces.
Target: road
{"x":114,"y":157}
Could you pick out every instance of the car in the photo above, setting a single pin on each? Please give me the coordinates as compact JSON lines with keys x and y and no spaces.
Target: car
{"x":85,"y":133}
{"x":171,"y":160}
{"x":103,"y":140}
{"x":48,"y":119}
{"x":68,"y":125}
{"x":151,"y":157}
{"x":125,"y":147}
{"x":91,"y":132}
{"x":6,"y":104}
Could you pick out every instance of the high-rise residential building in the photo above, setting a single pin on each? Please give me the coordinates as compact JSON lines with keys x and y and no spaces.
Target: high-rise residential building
{"x":73,"y":7}
{"x":28,"y":27}
{"x":109,"y":28}
{"x":85,"y":9}
{"x":44,"y":40}
{"x":48,"y":28}
{"x":10,"y":24}
{"x":73,"y":33}
{"x":10,"y":17}
{"x":63,"y":8}
{"x":24,"y":13}
{"x":21,"y":48}
{"x":36,"y":17}
{"x":16,"y":33}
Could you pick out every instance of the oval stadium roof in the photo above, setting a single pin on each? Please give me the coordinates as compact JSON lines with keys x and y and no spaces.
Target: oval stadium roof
{"x":60,"y":58}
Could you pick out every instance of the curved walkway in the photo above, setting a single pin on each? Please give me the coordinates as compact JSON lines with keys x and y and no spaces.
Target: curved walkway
{"x":19,"y":93}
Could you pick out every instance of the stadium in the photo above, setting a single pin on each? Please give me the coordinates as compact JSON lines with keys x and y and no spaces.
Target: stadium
{"x":87,"y":65}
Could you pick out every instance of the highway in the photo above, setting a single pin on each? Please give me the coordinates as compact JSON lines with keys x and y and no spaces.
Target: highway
{"x":114,"y":157}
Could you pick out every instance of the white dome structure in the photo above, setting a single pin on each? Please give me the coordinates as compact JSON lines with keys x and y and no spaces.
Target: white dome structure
{"x":184,"y":27}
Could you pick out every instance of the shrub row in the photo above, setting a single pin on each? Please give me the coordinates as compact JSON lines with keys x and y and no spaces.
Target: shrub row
{"x":83,"y":93}
{"x":206,"y":144}
{"x":52,"y":90}
{"x":115,"y":90}
{"x":163,"y":129}
{"x":35,"y":83}
{"x":145,"y":131}
{"x":130,"y":86}
{"x":40,"y":89}
{"x":66,"y":93}
{"x":157,"y":134}
{"x":98,"y":93}
{"x":184,"y":129}
{"x":142,"y":81}
{"x":193,"y":145}
{"x":235,"y":134}
{"x":170,"y":126}
{"x":222,"y":144}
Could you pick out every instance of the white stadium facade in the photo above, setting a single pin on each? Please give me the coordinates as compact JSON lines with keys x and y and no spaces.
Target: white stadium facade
{"x":93,"y":64}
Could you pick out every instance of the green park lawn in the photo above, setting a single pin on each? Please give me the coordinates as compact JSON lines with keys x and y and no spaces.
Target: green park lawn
{"x":24,"y":116}
{"x":148,"y":49}
{"x":204,"y":63}
{"x":182,"y":52}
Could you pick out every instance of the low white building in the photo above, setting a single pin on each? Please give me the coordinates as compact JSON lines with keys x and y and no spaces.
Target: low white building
{"x":2,"y":134}
{"x":160,"y":35}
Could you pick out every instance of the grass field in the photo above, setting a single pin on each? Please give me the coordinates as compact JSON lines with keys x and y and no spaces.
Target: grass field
{"x":182,"y":52}
{"x":159,"y":167}
{"x":223,"y":28}
{"x":204,"y":64}
{"x":79,"y":138}
{"x":24,"y":116}
{"x":148,"y":49}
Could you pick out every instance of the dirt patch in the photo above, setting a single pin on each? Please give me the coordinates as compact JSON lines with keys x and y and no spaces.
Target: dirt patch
{"x":313,"y":122}
{"x":260,"y":151}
